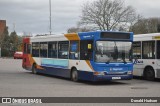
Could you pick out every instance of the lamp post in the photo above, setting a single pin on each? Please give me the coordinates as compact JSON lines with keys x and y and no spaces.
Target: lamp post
{"x":50,"y":26}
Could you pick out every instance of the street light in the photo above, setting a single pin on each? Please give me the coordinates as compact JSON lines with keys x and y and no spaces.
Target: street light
{"x":50,"y":26}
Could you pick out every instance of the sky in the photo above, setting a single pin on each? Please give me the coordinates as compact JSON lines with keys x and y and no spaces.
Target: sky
{"x":32,"y":16}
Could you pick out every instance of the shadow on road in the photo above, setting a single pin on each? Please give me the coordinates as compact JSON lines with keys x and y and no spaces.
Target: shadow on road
{"x":142,"y":78}
{"x":108,"y":83}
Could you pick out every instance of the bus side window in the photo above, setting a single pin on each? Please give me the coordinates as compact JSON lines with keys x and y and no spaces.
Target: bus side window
{"x":52,"y":50}
{"x":35,"y":49}
{"x":74,"y":50}
{"x":63,"y":49}
{"x":137,"y":50}
{"x":86,"y":49}
{"x":148,"y":50}
{"x":158,"y":49}
{"x":43,"y":49}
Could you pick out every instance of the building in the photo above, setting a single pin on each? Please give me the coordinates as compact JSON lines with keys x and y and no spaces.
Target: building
{"x":2,"y":27}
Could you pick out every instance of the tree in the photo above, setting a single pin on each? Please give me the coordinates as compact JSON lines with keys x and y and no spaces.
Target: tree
{"x":10,"y":43}
{"x":108,"y":15}
{"x":19,"y":46}
{"x":149,"y":25}
{"x":13,"y":41}
{"x":5,"y":45}
{"x":158,"y":27}
{"x":3,"y":35}
{"x":78,"y":29}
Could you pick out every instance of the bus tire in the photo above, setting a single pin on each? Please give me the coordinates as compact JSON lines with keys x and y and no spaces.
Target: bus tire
{"x":34,"y":71}
{"x":149,"y":73}
{"x":74,"y":75}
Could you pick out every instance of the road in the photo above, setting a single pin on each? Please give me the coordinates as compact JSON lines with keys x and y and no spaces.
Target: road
{"x":17,"y":82}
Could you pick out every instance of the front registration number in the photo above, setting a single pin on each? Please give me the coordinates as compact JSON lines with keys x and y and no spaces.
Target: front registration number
{"x":116,"y":78}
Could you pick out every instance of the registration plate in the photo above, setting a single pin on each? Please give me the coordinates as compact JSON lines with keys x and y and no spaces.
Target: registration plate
{"x":116,"y":78}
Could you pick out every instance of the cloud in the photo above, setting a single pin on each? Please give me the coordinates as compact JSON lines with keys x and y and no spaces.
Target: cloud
{"x":147,"y":8}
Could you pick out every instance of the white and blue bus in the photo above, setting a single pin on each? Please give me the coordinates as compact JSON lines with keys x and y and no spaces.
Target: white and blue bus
{"x":92,"y":56}
{"x":146,"y":55}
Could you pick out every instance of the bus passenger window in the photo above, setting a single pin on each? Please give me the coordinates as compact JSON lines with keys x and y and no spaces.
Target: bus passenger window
{"x":148,"y":49}
{"x":52,"y":50}
{"x":137,"y":50}
{"x":74,"y":50}
{"x":158,"y":49}
{"x":35,"y":49}
{"x":63,"y":49}
{"x":86,"y":50}
{"x":43,"y":49}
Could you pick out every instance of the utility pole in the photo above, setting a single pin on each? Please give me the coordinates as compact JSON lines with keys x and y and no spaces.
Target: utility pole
{"x":50,"y":26}
{"x":14,"y":26}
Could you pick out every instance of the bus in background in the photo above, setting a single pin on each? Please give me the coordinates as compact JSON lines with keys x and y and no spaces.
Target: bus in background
{"x":146,"y":55}
{"x":92,"y":56}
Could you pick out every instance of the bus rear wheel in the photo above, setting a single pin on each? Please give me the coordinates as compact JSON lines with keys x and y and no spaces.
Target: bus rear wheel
{"x":34,"y":71}
{"x":74,"y":75}
{"x":149,"y":74}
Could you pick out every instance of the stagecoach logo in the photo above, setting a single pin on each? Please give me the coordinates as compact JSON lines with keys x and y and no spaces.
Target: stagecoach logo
{"x":116,"y":69}
{"x":88,"y":36}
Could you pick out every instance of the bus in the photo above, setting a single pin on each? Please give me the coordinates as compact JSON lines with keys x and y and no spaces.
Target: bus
{"x":91,"y":56}
{"x":146,"y":55}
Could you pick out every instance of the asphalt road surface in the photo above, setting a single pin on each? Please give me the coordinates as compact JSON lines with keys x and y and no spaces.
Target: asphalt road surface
{"x":17,"y":82}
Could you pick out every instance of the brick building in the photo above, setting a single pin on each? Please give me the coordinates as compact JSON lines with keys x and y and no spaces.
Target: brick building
{"x":2,"y":27}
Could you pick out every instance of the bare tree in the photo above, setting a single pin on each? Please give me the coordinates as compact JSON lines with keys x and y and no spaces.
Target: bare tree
{"x":78,"y":29}
{"x":108,"y":15}
{"x":158,"y":27}
{"x":142,"y":26}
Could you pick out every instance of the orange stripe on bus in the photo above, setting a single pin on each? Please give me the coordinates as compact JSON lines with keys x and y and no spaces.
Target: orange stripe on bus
{"x":31,"y":60}
{"x":89,"y":64}
{"x":72,"y":36}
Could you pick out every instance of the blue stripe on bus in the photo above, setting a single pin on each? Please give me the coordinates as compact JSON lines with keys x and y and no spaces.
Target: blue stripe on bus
{"x":56,"y":66}
{"x":55,"y":62}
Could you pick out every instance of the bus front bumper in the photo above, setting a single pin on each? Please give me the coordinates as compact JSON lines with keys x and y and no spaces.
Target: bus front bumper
{"x":100,"y":76}
{"x":111,"y":77}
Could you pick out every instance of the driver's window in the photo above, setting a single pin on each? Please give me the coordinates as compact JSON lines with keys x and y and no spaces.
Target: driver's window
{"x":86,"y":49}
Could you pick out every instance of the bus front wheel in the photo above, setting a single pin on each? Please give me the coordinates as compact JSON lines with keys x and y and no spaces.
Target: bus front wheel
{"x":74,"y":75}
{"x":34,"y":69}
{"x":149,"y":74}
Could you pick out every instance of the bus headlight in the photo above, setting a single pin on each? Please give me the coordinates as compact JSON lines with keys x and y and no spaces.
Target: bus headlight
{"x":99,"y":73}
{"x":129,"y":72}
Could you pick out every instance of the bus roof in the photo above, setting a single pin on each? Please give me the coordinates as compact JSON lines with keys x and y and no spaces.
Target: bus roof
{"x":146,"y":37}
{"x":69,"y":36}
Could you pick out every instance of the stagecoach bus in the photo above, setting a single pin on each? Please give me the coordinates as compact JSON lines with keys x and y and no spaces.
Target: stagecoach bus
{"x":146,"y":55}
{"x":92,"y":56}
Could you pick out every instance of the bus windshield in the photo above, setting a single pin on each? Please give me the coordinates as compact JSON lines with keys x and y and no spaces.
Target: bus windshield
{"x":113,"y":51}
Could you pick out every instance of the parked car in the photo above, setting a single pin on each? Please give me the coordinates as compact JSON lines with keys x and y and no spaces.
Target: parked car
{"x":18,"y":55}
